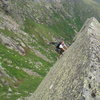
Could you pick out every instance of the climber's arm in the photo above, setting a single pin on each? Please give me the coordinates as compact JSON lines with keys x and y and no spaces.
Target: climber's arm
{"x":65,"y":47}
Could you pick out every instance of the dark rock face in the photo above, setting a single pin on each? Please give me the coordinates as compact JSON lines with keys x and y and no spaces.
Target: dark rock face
{"x":76,"y":75}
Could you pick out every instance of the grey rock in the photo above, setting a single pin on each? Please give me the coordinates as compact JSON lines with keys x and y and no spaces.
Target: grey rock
{"x":10,"y":90}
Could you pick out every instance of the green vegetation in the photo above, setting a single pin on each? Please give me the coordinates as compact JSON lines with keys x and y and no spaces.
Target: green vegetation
{"x":22,"y":61}
{"x":7,"y":32}
{"x":13,"y":64}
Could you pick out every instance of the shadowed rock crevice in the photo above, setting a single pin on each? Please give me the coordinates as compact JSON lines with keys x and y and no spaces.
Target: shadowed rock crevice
{"x":76,"y":75}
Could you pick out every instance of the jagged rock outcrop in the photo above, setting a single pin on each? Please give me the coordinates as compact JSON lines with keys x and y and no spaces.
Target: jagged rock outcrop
{"x":76,"y":75}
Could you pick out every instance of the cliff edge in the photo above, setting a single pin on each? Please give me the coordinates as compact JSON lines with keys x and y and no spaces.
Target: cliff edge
{"x":76,"y":75}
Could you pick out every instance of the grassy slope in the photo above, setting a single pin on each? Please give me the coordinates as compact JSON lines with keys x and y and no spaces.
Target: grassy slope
{"x":10,"y":60}
{"x":13,"y":62}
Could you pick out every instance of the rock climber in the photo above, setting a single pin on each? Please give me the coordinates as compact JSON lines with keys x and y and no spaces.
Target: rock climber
{"x":61,"y":47}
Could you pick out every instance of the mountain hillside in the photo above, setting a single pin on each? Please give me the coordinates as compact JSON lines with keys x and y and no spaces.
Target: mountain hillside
{"x":26,"y":28}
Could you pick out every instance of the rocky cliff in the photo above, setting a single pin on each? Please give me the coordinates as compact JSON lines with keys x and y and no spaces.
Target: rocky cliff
{"x":76,"y":75}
